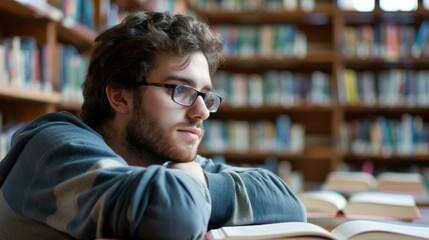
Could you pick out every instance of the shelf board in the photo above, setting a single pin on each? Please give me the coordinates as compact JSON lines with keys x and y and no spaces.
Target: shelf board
{"x":77,"y":34}
{"x":385,"y":62}
{"x":73,"y":106}
{"x":316,"y":153}
{"x":391,"y":158}
{"x":31,"y":9}
{"x":275,"y":109}
{"x":355,"y":17}
{"x":385,"y":109}
{"x":320,"y":59}
{"x":132,"y":5}
{"x":29,"y":95}
{"x":320,"y":15}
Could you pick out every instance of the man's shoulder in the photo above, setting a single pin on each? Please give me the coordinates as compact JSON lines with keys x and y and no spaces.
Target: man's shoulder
{"x":55,"y":125}
{"x":58,"y":119}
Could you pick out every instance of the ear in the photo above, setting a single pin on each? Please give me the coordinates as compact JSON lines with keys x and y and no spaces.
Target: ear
{"x":119,"y":98}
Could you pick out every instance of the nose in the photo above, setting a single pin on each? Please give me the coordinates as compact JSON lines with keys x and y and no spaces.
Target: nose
{"x":199,"y":110}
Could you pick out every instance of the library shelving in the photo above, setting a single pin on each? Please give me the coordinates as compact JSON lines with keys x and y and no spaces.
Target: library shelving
{"x":393,"y":55}
{"x":375,"y":63}
{"x":33,"y":35}
{"x":44,"y":51}
{"x":300,"y":63}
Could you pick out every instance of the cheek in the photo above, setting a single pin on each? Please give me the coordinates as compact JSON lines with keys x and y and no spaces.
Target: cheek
{"x":163,"y":109}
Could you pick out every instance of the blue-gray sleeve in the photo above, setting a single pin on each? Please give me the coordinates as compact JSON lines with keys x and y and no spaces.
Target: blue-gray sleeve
{"x":249,"y":196}
{"x":71,"y":181}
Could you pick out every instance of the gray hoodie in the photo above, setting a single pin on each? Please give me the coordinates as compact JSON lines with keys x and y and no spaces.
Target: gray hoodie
{"x":60,"y":180}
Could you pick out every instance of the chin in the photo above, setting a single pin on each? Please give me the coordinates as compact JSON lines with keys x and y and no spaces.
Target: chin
{"x":184,"y":155}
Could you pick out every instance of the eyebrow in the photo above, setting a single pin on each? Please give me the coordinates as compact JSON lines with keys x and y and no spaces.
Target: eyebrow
{"x":186,"y":81}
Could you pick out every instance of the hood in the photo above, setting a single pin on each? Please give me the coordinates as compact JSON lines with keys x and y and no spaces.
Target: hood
{"x":20,"y":138}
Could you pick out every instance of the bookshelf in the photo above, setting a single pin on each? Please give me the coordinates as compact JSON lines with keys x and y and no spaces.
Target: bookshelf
{"x":63,"y":36}
{"x":398,"y":115}
{"x":318,"y":156}
{"x":44,"y":49}
{"x":329,"y":139}
{"x":23,"y":98}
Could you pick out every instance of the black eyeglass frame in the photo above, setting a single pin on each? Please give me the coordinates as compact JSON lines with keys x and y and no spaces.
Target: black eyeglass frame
{"x":174,"y":86}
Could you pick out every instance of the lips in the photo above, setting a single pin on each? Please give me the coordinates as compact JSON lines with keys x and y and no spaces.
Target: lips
{"x":193,"y":131}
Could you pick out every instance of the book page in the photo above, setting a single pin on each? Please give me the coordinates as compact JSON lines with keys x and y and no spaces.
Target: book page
{"x":399,"y":177}
{"x":270,"y":231}
{"x":323,"y":201}
{"x":363,"y":230}
{"x":383,"y":198}
{"x":349,"y":182}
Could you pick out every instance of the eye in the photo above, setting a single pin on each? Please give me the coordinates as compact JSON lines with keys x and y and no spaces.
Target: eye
{"x":181,"y":90}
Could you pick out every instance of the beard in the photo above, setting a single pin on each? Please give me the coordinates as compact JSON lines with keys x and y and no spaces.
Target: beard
{"x":152,"y":143}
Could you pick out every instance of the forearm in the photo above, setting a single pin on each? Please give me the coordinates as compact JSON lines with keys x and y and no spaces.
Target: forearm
{"x":156,"y":203}
{"x":167,"y":204}
{"x":270,"y":199}
{"x":192,"y":168}
{"x":249,"y":196}
{"x":223,"y":195}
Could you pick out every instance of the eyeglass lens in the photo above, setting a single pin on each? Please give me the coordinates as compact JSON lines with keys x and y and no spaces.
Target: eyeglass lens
{"x":209,"y":100}
{"x":187,"y":96}
{"x":184,"y":95}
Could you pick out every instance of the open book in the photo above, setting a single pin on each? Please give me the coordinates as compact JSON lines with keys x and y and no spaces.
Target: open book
{"x":362,"y":205}
{"x":349,"y":182}
{"x":352,"y":230}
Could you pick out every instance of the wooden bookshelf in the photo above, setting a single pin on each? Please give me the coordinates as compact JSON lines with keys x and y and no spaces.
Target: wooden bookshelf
{"x":318,"y":156}
{"x":24,"y":95}
{"x":324,"y":26}
{"x":405,"y":62}
{"x":45,"y":23}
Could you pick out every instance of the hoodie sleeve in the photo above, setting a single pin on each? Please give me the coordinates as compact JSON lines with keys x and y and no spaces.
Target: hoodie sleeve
{"x":70,"y":180}
{"x":243,"y":196}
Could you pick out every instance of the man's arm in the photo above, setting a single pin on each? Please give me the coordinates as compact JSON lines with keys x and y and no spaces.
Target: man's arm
{"x":249,"y":196}
{"x":192,"y":168}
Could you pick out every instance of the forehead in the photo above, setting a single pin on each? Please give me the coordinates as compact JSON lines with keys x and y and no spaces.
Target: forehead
{"x":195,"y":68}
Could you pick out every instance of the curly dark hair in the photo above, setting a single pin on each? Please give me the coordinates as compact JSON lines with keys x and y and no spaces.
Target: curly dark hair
{"x":126,"y":52}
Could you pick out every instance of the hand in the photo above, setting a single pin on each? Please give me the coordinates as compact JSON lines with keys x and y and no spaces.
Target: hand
{"x":190,"y":167}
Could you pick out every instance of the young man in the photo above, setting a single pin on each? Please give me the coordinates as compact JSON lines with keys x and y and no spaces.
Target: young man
{"x":130,"y":169}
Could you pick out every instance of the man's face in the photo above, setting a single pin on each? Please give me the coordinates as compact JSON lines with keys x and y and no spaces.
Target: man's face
{"x":161,"y":129}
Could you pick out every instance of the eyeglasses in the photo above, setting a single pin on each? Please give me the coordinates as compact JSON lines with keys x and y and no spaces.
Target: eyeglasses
{"x":186,"y":95}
